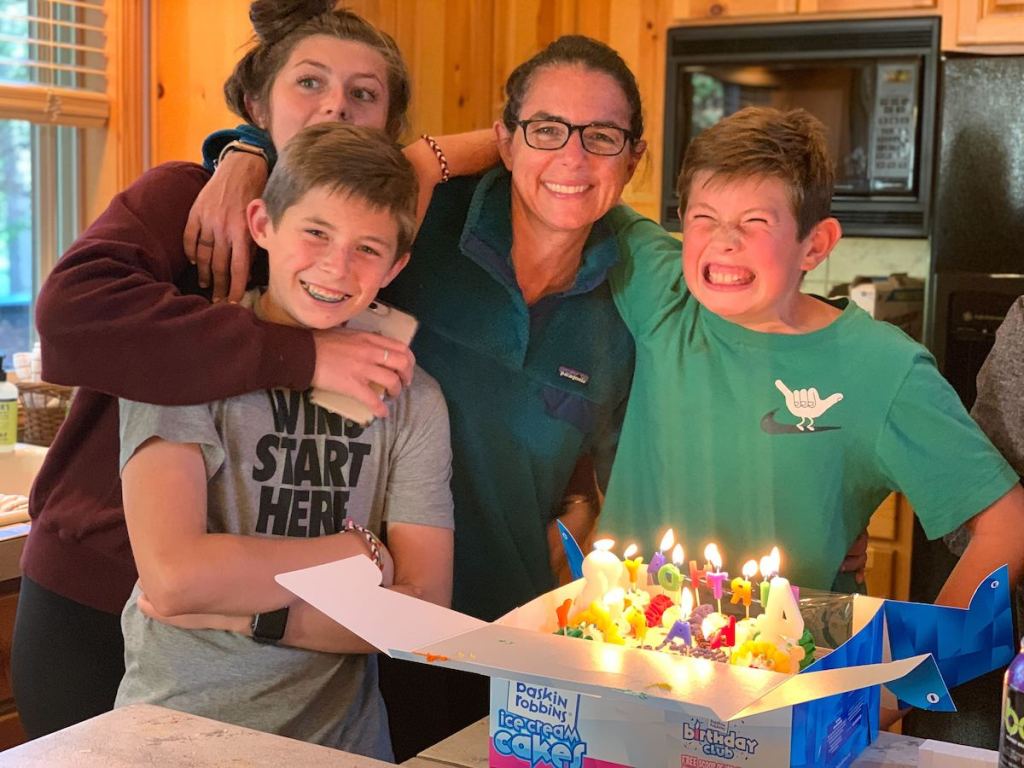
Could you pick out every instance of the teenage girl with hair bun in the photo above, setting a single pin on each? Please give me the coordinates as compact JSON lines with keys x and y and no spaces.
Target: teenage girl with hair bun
{"x":123,"y":315}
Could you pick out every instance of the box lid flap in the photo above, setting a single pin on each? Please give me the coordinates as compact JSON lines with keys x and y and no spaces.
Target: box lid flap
{"x":349,"y":592}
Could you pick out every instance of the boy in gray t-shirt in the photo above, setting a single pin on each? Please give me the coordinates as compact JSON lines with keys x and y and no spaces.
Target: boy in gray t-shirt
{"x":221,"y":497}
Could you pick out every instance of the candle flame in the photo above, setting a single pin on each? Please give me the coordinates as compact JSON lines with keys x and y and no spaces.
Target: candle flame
{"x":749,"y":569}
{"x":776,"y":560}
{"x":686,"y":604}
{"x":604,"y":544}
{"x":631,"y":550}
{"x":766,"y":567}
{"x":713,"y":556}
{"x":667,"y":540}
{"x":677,"y":555}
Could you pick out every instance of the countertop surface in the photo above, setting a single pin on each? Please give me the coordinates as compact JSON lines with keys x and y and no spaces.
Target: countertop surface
{"x":17,"y":471}
{"x":158,"y":737}
{"x":143,"y":735}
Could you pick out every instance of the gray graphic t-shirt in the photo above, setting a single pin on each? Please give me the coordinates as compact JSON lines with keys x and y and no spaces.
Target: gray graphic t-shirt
{"x":277,"y":465}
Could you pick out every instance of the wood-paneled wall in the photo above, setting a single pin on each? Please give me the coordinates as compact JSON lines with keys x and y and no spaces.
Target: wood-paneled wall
{"x":459,"y":53}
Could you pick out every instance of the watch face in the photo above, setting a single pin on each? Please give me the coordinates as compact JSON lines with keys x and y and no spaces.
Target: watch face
{"x":269,"y":627}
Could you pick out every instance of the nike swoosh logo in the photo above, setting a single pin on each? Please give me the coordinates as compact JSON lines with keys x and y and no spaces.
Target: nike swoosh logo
{"x":770,"y":426}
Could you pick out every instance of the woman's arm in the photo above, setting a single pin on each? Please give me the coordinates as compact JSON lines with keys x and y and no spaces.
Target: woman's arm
{"x":182,"y":568}
{"x":218,"y":216}
{"x":465,"y":154}
{"x":111,"y":319}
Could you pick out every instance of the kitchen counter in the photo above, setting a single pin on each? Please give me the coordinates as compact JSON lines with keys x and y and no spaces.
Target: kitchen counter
{"x":154,"y":736}
{"x":158,"y":737}
{"x":18,"y":469}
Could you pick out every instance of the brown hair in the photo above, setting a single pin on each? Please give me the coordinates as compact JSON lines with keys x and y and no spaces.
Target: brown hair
{"x":281,"y":24}
{"x":585,"y":52}
{"x":346,"y":159}
{"x":762,"y":141}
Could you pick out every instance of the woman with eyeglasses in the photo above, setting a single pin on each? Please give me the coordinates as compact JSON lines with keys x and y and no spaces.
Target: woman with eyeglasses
{"x":507,"y":278}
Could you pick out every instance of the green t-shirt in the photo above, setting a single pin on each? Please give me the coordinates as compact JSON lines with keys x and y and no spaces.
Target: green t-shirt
{"x":712,"y":446}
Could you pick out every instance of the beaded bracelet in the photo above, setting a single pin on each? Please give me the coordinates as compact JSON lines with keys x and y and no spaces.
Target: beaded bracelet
{"x":371,"y":541}
{"x":439,"y":153}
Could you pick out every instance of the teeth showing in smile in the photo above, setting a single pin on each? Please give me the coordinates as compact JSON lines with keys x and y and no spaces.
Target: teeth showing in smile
{"x":719,"y":274}
{"x":565,"y":189}
{"x":323,"y":294}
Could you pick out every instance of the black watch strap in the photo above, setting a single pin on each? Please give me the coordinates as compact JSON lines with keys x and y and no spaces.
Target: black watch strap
{"x":268,"y":628}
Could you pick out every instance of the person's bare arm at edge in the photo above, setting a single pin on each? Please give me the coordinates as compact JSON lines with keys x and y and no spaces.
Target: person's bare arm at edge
{"x":997,"y":538}
{"x":217,"y":240}
{"x":182,"y":568}
{"x":423,"y":568}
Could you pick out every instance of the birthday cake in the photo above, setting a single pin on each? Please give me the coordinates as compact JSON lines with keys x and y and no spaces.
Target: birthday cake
{"x":655,"y":606}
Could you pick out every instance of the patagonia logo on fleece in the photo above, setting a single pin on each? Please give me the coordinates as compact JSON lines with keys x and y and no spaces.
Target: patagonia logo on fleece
{"x":573,"y":375}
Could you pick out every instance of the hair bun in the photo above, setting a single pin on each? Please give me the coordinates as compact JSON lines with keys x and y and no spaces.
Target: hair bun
{"x":273,"y":19}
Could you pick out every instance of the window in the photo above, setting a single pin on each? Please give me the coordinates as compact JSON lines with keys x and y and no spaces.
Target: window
{"x":52,"y":86}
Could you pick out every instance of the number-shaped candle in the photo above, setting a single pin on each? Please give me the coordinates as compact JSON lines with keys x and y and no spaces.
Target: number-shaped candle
{"x":602,"y":571}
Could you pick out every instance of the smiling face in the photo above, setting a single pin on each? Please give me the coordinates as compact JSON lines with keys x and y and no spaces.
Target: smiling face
{"x":566,"y":190}
{"x":741,"y":256}
{"x":329,"y":255}
{"x":325,"y":78}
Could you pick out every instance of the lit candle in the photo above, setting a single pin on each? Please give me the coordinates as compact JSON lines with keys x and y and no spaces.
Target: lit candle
{"x":715,"y":579}
{"x":681,"y":628}
{"x":781,"y":618}
{"x":658,"y":558}
{"x":632,"y":564}
{"x":680,"y":631}
{"x":602,"y":570}
{"x":741,"y":586}
{"x":669,"y":577}
{"x":726,"y":635}
{"x":696,"y":576}
{"x":769,"y":567}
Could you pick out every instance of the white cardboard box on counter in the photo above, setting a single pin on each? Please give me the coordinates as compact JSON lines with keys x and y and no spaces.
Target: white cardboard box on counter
{"x":569,"y":703}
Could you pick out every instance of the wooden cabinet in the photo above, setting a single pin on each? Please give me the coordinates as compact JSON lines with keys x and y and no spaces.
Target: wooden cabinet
{"x":727,"y":9}
{"x":990,"y":22}
{"x":11,"y":732}
{"x":890,"y":538}
{"x":862,"y":6}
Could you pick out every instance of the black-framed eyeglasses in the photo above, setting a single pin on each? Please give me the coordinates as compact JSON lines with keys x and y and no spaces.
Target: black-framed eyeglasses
{"x":551,"y":134}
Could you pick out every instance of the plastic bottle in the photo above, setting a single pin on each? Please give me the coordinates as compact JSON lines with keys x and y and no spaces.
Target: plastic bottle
{"x":8,"y":411}
{"x":1011,"y":731}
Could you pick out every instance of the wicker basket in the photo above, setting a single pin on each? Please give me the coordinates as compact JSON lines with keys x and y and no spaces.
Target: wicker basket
{"x":42,"y":410}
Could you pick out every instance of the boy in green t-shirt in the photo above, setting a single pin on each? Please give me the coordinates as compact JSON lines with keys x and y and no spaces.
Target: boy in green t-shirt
{"x":760,"y":415}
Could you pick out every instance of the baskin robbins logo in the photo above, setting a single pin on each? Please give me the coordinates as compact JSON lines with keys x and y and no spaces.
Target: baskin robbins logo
{"x":538,"y":727}
{"x":721,"y":741}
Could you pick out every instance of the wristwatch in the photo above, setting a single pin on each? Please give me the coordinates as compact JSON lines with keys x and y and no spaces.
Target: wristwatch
{"x":241,"y":146}
{"x":268,"y":628}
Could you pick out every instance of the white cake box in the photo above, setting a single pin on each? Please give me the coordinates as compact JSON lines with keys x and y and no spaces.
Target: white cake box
{"x":561,"y":702}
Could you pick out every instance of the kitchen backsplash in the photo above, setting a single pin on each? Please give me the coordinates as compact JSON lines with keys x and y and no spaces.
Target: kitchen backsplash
{"x":869,"y":257}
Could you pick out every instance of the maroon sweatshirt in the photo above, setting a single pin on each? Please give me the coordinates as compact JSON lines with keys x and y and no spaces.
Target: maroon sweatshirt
{"x":113,"y":321}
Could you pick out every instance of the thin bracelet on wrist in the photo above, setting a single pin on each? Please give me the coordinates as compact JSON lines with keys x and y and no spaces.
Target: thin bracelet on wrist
{"x":376,"y":553}
{"x":439,"y":154}
{"x":241,"y":146}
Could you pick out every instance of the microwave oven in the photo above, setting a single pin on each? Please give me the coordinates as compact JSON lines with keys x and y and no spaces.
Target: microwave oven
{"x":872,"y":82}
